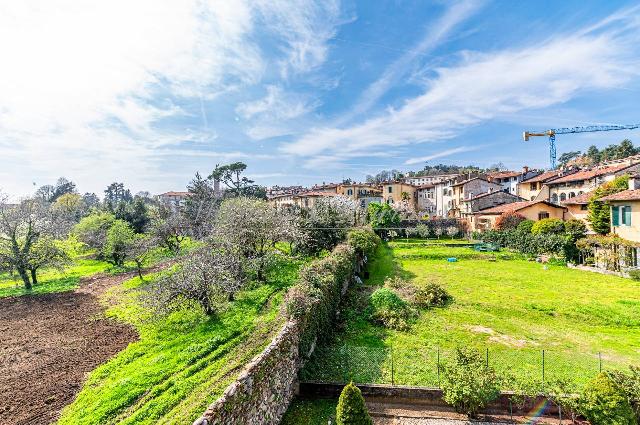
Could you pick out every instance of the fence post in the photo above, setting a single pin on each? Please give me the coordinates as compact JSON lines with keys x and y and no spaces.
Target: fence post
{"x":487,"y":358}
{"x":600,"y":360}
{"x":392,"y":368}
{"x":438,"y":367}
{"x":543,"y":369}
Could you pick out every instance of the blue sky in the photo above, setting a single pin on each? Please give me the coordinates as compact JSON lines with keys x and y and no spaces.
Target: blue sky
{"x":150,"y":92}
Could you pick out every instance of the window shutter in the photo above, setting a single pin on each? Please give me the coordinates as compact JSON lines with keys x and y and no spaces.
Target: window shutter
{"x":615,"y":216}
{"x":627,"y":215}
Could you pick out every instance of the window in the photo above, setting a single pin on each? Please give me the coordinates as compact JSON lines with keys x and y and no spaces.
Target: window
{"x":543,"y":215}
{"x":572,"y":195}
{"x":554,"y":198}
{"x":390,"y":189}
{"x":626,"y":215}
{"x":563,"y":197}
{"x":533,"y":186}
{"x":584,"y":207}
{"x":349,"y":192}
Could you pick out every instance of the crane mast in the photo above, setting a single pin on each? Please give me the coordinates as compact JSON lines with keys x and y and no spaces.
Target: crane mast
{"x":551,"y":134}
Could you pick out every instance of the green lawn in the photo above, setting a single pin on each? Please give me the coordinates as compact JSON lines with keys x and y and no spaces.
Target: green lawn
{"x":311,"y":412}
{"x":53,"y":280}
{"x":509,"y":308}
{"x":182,"y":362}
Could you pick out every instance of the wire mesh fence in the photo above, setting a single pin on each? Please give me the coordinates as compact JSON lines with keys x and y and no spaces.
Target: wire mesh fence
{"x":424,"y":366}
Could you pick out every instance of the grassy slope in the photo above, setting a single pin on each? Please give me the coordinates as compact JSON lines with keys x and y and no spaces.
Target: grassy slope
{"x":182,"y":362}
{"x":514,"y":308}
{"x":53,"y":280}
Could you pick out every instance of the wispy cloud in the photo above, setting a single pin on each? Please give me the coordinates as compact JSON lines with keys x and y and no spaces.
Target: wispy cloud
{"x":441,"y":154}
{"x":485,"y":86}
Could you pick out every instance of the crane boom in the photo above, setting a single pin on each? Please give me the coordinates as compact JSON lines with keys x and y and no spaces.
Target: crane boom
{"x":551,"y":133}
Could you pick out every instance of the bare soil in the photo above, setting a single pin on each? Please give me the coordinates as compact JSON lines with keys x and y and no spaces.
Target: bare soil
{"x":48,"y":344}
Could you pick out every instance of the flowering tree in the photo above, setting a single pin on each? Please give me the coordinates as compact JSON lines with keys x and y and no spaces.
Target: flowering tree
{"x":327,"y":222}
{"x":509,"y":220}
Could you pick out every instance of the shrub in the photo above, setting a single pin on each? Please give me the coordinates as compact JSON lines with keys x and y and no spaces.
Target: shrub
{"x":351,"y":409}
{"x":432,"y":295}
{"x":604,"y":403}
{"x":525,"y":226}
{"x":389,"y":310}
{"x":395,"y":282}
{"x":576,"y":229}
{"x":548,"y":226}
{"x":363,"y":240}
{"x":599,"y":214}
{"x":634,"y":274}
{"x":629,"y":384}
{"x":468,"y":384}
{"x":509,"y":220}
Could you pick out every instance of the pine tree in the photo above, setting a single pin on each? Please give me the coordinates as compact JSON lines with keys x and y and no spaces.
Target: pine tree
{"x":351,"y":409}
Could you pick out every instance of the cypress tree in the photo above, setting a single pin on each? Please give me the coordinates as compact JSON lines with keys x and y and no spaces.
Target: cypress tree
{"x":351,"y":409}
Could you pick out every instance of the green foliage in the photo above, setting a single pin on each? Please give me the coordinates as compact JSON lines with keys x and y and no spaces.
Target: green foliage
{"x":525,"y":226}
{"x":629,"y":384}
{"x":576,"y":229}
{"x":604,"y":403}
{"x":351,"y":409}
{"x":509,"y":220}
{"x":527,"y":243}
{"x":599,"y":214}
{"x":389,"y":310}
{"x":548,"y":226}
{"x":118,"y":241}
{"x":92,"y":229}
{"x":468,"y":384}
{"x":364,"y":240}
{"x":432,"y":295}
{"x":381,"y":215}
{"x":634,"y":274}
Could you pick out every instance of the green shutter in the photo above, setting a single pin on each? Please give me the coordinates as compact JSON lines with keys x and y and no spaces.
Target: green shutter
{"x":615,"y":216}
{"x":627,"y":215}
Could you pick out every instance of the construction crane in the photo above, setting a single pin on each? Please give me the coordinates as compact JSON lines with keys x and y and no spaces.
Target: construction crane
{"x":567,"y":130}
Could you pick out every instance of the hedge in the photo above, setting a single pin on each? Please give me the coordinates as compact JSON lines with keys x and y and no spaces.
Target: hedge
{"x":528,"y":243}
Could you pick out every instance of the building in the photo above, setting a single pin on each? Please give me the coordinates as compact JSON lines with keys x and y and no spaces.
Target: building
{"x":427,"y":199}
{"x":467,"y":189}
{"x":362,"y":193}
{"x":509,"y":180}
{"x":531,"y":210}
{"x":577,"y":207}
{"x":424,"y":180}
{"x":397,"y":192}
{"x":300,"y":200}
{"x":326,"y":187}
{"x":284,"y":190}
{"x":583,"y":181}
{"x":534,"y":187}
{"x":625,"y":211}
{"x":175,"y":199}
{"x":485,"y":201}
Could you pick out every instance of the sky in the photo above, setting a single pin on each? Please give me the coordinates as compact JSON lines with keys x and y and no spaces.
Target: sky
{"x":150,"y":92}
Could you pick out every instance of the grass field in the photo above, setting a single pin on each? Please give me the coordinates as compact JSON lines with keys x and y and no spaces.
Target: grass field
{"x":509,"y":308}
{"x":182,"y":362}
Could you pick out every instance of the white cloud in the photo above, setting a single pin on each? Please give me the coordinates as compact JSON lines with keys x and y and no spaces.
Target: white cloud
{"x":489,"y":86}
{"x":441,"y":154}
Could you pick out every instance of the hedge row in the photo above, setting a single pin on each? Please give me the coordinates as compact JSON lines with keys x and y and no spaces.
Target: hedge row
{"x":315,"y":299}
{"x":529,"y":243}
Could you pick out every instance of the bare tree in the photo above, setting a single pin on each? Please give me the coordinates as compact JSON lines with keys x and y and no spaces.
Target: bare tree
{"x":46,"y":253}
{"x":21,"y":227}
{"x":169,"y":227}
{"x":140,"y":251}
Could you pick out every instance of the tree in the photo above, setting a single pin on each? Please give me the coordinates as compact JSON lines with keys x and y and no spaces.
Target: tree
{"x":50,"y":193}
{"x":593,"y":154}
{"x":211,"y":274}
{"x":140,"y":250}
{"x":91,"y":200}
{"x":382,"y":215}
{"x":92,"y":229}
{"x":116,"y":193}
{"x":604,"y":403}
{"x":70,"y":207}
{"x":135,"y":213}
{"x":567,"y":157}
{"x":351,"y":409}
{"x":169,"y":227}
{"x":201,"y":206}
{"x":46,"y":253}
{"x":236,"y":184}
{"x":254,"y":226}
{"x":117,"y":247}
{"x":21,"y":227}
{"x":326,"y":223}
{"x":509,"y":220}
{"x":599,"y":215}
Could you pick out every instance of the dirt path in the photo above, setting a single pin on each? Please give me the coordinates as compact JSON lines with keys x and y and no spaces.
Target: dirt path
{"x":48,"y":343}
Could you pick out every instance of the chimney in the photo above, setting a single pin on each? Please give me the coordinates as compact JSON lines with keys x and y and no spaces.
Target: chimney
{"x":634,"y":182}
{"x":525,"y":169}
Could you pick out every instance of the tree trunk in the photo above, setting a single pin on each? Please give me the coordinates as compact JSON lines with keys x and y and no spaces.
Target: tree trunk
{"x":34,"y":279}
{"x":25,"y":278}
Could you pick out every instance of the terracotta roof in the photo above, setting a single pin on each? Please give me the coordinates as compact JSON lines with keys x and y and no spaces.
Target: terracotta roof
{"x":625,"y":195}
{"x":315,"y":193}
{"x":515,"y":206}
{"x":471,"y":179}
{"x":175,"y":194}
{"x":503,"y":174}
{"x":582,"y":199}
{"x":589,"y":174}
{"x":427,"y":186}
{"x":547,"y":175}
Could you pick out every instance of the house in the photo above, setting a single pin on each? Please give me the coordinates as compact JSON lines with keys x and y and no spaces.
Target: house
{"x":326,"y":187}
{"x":363,"y":194}
{"x":625,"y":211}
{"x":485,"y":201}
{"x":285,"y":200}
{"x":467,"y":189}
{"x":175,"y":199}
{"x":577,"y":207}
{"x":427,"y":199}
{"x":583,"y":181}
{"x":397,"y":192}
{"x":424,"y":180}
{"x":509,"y":180}
{"x":531,"y":210}
{"x":534,"y":187}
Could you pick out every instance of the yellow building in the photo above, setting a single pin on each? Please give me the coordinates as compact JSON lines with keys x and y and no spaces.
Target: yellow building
{"x":534,"y":187}
{"x":625,"y":214}
{"x":577,"y":207}
{"x":398,"y":192}
{"x":531,"y":210}
{"x":363,"y":194}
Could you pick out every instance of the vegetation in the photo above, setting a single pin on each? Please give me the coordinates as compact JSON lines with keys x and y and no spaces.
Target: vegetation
{"x":548,"y":226}
{"x":595,"y":156}
{"x":468,"y":383}
{"x":604,"y":403}
{"x":351,"y":409}
{"x":389,"y":310}
{"x":382,"y":215}
{"x":509,"y":220}
{"x":432,"y":295}
{"x":599,"y":214}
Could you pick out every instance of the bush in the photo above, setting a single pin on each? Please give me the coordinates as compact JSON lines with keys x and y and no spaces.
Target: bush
{"x":363,"y":240}
{"x":525,"y":226}
{"x":509,"y":220}
{"x":576,"y":229}
{"x":629,"y":384}
{"x":389,"y":310}
{"x":467,"y":383}
{"x":432,"y":295}
{"x":548,"y":226}
{"x":351,"y":409}
{"x":604,"y":403}
{"x":634,"y":274}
